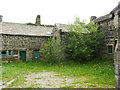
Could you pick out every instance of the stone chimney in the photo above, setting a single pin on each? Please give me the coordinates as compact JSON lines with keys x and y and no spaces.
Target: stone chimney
{"x":38,"y":20}
{"x":1,"y":18}
{"x":93,"y":18}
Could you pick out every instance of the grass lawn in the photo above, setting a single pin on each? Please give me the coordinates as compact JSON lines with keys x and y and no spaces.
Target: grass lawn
{"x":97,"y":72}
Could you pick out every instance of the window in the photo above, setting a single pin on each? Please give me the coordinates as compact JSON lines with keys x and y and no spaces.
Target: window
{"x":4,"y":53}
{"x":9,"y":52}
{"x":55,"y":38}
{"x":119,"y":14}
{"x":109,"y":49}
{"x":15,"y":52}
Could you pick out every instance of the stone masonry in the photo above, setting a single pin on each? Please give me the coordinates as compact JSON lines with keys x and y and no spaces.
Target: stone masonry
{"x":22,"y":37}
{"x":110,"y":45}
{"x":22,"y":43}
{"x":117,"y":52}
{"x":110,"y":24}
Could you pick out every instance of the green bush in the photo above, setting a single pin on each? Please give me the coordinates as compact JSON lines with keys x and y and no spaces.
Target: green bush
{"x":52,"y":51}
{"x":83,"y":40}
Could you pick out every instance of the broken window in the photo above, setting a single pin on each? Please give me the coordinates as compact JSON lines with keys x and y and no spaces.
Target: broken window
{"x":9,"y":52}
{"x":4,"y":53}
{"x":110,"y":49}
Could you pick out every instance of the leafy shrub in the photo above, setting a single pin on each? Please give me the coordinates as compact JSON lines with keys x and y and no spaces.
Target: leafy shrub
{"x":52,"y":51}
{"x":83,"y":40}
{"x":31,"y":24}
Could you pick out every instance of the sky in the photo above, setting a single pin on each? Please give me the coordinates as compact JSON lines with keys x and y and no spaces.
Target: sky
{"x":54,"y":11}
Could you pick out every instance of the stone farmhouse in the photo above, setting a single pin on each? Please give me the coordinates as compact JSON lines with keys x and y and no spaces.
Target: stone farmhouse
{"x":24,"y":41}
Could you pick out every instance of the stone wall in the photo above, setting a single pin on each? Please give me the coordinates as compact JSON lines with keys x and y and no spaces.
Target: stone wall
{"x":117,"y":52}
{"x":117,"y":62}
{"x":0,"y":36}
{"x":107,"y":26}
{"x":20,"y":42}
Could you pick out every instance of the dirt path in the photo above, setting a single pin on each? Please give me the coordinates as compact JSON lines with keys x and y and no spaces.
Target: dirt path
{"x":51,"y":80}
{"x":48,"y":80}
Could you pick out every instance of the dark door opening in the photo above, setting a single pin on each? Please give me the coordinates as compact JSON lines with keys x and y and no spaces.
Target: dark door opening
{"x":23,"y":56}
{"x":36,"y":55}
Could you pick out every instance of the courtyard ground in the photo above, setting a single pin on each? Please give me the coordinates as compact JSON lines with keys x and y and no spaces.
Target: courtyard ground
{"x":93,"y":74}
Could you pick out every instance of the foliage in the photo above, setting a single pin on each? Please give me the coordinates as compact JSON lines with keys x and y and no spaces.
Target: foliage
{"x":47,"y":25}
{"x":40,"y":25}
{"x":82,"y":41}
{"x":31,"y":24}
{"x":52,"y":51}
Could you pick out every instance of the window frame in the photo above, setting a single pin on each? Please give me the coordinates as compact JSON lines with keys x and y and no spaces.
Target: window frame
{"x":9,"y":52}
{"x":110,"y":49}
{"x":4,"y":55}
{"x":15,"y":52}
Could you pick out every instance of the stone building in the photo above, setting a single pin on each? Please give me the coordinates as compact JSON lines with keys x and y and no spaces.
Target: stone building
{"x":22,"y":41}
{"x":110,"y":47}
{"x":116,"y":12}
{"x":109,"y":25}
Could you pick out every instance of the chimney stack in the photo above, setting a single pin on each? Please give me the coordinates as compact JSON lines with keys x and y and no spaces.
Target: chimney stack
{"x":38,"y":20}
{"x":1,"y":18}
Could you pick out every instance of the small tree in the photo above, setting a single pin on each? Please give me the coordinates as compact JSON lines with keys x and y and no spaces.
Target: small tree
{"x":83,"y":40}
{"x":52,"y":51}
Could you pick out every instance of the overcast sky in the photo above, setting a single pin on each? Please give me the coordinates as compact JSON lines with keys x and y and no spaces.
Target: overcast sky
{"x":54,"y":11}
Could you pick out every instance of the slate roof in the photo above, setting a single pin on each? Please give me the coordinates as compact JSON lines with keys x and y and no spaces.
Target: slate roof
{"x":23,"y":29}
{"x":102,"y":18}
{"x":106,"y":17}
{"x":116,"y":8}
{"x":63,"y":27}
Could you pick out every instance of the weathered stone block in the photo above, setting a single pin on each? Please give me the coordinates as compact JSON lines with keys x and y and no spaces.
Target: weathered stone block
{"x":117,"y":69}
{"x":117,"y":81}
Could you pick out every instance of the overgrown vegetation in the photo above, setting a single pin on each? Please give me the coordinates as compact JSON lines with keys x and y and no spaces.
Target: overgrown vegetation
{"x":40,"y":24}
{"x":52,"y":52}
{"x":97,"y":72}
{"x":83,"y":40}
{"x":81,"y":44}
{"x":31,"y":24}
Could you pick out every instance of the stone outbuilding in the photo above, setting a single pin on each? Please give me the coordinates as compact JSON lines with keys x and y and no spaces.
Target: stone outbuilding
{"x":22,"y":41}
